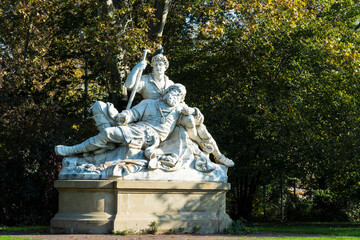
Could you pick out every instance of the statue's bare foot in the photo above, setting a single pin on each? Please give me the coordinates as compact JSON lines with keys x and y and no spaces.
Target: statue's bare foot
{"x":210,"y":166}
{"x":64,"y":150}
{"x":153,"y":164}
{"x":224,"y":161}
{"x":204,"y":165}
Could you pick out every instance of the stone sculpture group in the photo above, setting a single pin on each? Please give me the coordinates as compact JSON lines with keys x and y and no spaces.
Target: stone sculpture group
{"x":161,"y":138}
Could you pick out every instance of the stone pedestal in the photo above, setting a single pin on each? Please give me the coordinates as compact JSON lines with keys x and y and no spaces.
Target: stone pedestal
{"x":101,"y":206}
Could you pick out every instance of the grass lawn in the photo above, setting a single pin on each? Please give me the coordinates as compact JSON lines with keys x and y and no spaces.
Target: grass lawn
{"x":32,"y":229}
{"x":337,"y":229}
{"x":25,"y":229}
{"x":282,"y":238}
{"x":15,"y":238}
{"x":311,"y":238}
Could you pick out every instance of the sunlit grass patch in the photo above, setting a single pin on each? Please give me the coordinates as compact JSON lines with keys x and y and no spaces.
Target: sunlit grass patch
{"x":15,"y":238}
{"x":338,"y":229}
{"x":310,"y":238}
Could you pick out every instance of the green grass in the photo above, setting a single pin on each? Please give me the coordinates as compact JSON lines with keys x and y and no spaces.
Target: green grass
{"x":281,"y":238}
{"x":336,"y":229}
{"x":24,"y":229}
{"x":31,"y":229}
{"x":15,"y":238}
{"x":309,"y":238}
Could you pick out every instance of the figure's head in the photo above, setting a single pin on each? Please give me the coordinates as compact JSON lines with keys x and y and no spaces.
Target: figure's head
{"x":159,"y":63}
{"x":175,"y":94}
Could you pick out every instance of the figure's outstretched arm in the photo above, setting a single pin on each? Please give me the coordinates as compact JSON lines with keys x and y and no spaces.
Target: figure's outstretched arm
{"x":131,"y":78}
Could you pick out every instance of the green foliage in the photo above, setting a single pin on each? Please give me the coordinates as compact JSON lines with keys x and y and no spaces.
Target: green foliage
{"x":153,"y":227}
{"x":172,"y":231}
{"x":283,"y":78}
{"x":238,"y":228}
{"x":327,"y":207}
{"x":196,"y":229}
{"x":45,"y":45}
{"x":353,"y":212}
{"x":304,"y":205}
{"x":299,"y":209}
{"x":124,"y":232}
{"x":323,"y":206}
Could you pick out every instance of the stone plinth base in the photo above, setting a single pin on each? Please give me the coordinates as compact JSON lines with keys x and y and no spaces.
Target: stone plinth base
{"x":102,"y":206}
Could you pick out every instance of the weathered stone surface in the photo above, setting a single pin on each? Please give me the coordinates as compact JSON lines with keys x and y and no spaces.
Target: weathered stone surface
{"x":90,"y":206}
{"x":187,"y":174}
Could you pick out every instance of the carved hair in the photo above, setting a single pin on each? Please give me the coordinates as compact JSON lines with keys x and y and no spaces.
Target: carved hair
{"x":160,"y":58}
{"x":179,"y":87}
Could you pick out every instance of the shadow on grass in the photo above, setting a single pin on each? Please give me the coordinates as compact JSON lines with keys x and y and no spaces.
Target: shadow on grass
{"x":30,"y":230}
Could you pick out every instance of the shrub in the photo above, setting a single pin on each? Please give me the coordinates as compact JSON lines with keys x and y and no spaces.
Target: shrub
{"x":297,"y":209}
{"x":328,"y":207}
{"x":238,"y":228}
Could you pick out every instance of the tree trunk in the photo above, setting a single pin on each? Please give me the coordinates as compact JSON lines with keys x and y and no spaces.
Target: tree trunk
{"x":244,"y":192}
{"x":119,"y":68}
{"x":281,"y":198}
{"x":161,"y":12}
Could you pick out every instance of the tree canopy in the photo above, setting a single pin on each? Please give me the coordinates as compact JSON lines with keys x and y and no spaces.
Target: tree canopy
{"x":277,"y":82}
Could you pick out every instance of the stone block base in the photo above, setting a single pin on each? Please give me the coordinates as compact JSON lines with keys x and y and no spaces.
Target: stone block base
{"x":103,"y":206}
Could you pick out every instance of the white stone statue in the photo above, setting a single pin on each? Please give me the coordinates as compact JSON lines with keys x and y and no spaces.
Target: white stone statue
{"x":157,"y":139}
{"x":154,"y":85}
{"x":151,"y":86}
{"x":142,"y":127}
